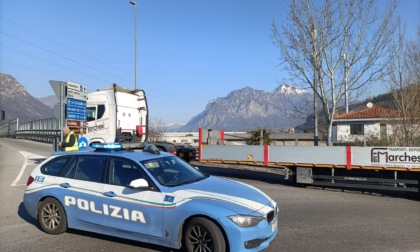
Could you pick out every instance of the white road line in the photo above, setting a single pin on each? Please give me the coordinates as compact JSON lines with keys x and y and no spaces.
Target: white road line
{"x":21,"y":172}
{"x":26,"y":155}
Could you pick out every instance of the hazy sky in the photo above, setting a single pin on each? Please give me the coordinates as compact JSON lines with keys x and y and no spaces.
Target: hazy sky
{"x":189,"y":52}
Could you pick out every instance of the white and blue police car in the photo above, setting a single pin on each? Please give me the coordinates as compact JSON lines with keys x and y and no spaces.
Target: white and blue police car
{"x":148,"y":196}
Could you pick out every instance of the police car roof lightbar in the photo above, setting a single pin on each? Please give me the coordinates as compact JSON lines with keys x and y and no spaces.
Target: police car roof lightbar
{"x":107,"y":146}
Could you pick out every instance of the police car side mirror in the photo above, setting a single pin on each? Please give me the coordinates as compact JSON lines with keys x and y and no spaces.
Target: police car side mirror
{"x":139,"y":183}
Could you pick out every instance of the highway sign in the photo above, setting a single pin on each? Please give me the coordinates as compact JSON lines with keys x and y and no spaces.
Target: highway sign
{"x":58,"y":85}
{"x":77,"y":87}
{"x":75,"y":123}
{"x":72,"y":116}
{"x":76,"y":110}
{"x":71,"y":93}
{"x":76,"y":103}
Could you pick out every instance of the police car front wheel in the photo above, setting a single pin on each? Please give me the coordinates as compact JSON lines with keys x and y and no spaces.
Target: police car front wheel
{"x":51,"y":216}
{"x":202,"y":234}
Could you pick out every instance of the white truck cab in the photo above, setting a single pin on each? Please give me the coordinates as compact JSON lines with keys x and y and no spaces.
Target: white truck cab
{"x":116,"y":114}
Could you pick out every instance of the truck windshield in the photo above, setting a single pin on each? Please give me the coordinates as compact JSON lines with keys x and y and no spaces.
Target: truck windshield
{"x":94,"y":113}
{"x":172,"y":171}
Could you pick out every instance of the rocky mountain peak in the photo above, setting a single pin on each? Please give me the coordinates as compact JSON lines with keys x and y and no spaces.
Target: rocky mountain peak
{"x":289,"y":89}
{"x":11,"y":88}
{"x":18,"y":103}
{"x":247,"y":109}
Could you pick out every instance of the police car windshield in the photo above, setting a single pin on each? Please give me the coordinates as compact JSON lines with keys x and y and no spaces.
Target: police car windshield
{"x":171,"y":171}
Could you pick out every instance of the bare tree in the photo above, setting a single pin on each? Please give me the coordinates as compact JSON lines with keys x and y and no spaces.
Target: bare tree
{"x":334,"y":46}
{"x":404,"y":86}
{"x":156,"y":130}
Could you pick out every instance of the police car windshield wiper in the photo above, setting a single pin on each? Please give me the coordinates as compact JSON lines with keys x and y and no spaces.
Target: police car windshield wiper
{"x":195,"y":180}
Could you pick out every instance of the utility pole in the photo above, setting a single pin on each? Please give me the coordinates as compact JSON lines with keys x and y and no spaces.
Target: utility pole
{"x":135,"y":42}
{"x":346,"y":94}
{"x":314,"y":62}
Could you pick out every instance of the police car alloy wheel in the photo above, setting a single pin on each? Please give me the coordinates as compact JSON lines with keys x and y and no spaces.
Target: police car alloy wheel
{"x":51,"y":217}
{"x":203,"y":235}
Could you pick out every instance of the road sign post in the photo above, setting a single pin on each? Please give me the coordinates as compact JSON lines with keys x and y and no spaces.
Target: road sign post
{"x":72,"y":104}
{"x":59,"y":90}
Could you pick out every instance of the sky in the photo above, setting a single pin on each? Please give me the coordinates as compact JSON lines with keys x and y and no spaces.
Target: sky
{"x":189,"y":52}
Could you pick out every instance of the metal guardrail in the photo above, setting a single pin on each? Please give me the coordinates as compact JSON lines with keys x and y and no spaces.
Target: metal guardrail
{"x":46,"y":136}
{"x":42,"y":130}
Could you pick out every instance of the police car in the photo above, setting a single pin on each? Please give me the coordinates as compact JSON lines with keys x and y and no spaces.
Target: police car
{"x":148,"y":196}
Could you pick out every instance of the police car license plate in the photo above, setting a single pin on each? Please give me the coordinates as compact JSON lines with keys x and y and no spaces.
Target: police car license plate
{"x":274,"y":226}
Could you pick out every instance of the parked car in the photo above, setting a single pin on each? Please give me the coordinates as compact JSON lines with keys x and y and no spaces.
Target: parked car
{"x":148,"y":196}
{"x":186,"y":151}
{"x":165,"y":146}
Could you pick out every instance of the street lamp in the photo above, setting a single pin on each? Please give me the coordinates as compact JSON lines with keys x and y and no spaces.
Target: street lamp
{"x":135,"y":42}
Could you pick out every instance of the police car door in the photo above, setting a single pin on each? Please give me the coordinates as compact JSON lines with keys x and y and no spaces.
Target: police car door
{"x":82,"y":186}
{"x":137,"y":211}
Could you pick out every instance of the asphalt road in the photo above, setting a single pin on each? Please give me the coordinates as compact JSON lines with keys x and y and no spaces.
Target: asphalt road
{"x":311,"y":219}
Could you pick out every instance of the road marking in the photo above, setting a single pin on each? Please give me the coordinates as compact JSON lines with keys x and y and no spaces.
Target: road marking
{"x":26,"y":155}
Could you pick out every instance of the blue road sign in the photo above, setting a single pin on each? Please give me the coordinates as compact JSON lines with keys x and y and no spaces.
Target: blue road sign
{"x":76,"y":103}
{"x":79,"y":117}
{"x":76,"y":109}
{"x":83,"y":143}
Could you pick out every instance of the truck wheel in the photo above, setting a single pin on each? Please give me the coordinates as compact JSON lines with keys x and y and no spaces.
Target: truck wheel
{"x":203,"y":235}
{"x":51,"y":217}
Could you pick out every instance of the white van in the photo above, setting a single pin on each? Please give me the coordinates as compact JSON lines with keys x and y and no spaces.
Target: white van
{"x":116,"y":114}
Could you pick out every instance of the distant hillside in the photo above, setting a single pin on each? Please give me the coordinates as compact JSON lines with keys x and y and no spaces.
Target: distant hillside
{"x":248,"y":109}
{"x":173,"y":127}
{"x":18,"y":103}
{"x":50,"y":100}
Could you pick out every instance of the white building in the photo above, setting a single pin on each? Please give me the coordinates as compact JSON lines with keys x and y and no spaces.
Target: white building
{"x":241,"y":138}
{"x":375,"y":122}
{"x":181,"y":137}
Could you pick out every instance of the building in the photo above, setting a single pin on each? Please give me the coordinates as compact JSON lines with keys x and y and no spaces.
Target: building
{"x":358,"y":126}
{"x":241,"y":138}
{"x":181,"y":137}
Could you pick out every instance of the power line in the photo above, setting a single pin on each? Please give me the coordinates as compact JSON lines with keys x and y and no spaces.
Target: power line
{"x":29,"y":68}
{"x":61,"y":56}
{"x":154,"y":86}
{"x":62,"y":44}
{"x":53,"y":63}
{"x":157,"y":94}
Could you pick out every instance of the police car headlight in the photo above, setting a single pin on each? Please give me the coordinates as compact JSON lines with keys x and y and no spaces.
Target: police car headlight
{"x":245,"y":220}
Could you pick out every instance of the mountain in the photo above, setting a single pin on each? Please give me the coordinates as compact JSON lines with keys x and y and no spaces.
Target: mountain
{"x":248,"y":109}
{"x":50,"y":100}
{"x":18,"y":103}
{"x":173,"y":127}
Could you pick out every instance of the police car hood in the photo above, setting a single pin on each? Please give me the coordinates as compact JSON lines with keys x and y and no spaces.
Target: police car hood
{"x":226,"y":192}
